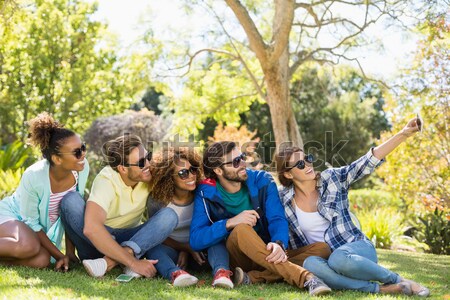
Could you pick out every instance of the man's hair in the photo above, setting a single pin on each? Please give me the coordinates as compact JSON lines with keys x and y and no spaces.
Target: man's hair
{"x":118,"y":150}
{"x":212,"y":157}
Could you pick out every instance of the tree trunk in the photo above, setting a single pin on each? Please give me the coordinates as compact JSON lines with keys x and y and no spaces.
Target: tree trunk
{"x":284,"y":122}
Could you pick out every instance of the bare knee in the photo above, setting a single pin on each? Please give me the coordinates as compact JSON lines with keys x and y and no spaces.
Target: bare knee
{"x":41,"y":260}
{"x":26,"y":248}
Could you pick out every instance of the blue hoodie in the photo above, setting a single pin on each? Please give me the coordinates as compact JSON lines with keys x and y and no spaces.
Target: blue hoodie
{"x":210,"y":215}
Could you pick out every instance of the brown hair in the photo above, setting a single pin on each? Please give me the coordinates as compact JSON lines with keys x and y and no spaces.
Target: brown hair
{"x":47,"y":134}
{"x":212,"y":157}
{"x":118,"y":150}
{"x":162,"y":186}
{"x":282,"y":164}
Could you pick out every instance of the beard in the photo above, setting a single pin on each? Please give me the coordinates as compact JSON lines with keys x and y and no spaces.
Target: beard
{"x":234,"y":175}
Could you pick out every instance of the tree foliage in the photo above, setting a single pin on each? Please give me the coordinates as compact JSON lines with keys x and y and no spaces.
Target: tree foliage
{"x":421,"y":168}
{"x":267,"y":41}
{"x":55,"y":58}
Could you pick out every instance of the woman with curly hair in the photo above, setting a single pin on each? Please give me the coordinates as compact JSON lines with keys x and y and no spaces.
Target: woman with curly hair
{"x":176,"y":174}
{"x":30,"y":225}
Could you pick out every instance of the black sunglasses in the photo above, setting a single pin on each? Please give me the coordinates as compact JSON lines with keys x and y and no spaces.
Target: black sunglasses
{"x":78,"y":152}
{"x":301,"y":163}
{"x":184,"y":173}
{"x":141,"y":162}
{"x":236,"y":161}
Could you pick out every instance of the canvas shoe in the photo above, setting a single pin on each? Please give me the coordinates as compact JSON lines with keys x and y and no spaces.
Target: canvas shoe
{"x":416,"y":288}
{"x":95,"y":267}
{"x":317,"y":287}
{"x":182,"y":278}
{"x":240,"y":277}
{"x":222,"y":279}
{"x":129,"y":272}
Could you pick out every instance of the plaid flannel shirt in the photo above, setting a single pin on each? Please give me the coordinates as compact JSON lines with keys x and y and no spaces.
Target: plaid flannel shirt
{"x":333,"y":203}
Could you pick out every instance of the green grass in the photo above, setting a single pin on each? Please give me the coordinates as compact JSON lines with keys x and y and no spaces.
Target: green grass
{"x":23,"y":283}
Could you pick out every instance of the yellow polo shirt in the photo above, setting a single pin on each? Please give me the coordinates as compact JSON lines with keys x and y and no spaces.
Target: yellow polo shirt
{"x":124,"y":205}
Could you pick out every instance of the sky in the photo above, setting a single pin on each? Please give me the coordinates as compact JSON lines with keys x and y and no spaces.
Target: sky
{"x":124,"y":19}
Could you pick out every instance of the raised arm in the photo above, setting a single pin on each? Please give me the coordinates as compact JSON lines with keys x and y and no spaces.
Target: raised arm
{"x":387,"y":147}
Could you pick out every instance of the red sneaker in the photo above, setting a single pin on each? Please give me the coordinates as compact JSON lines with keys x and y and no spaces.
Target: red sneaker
{"x":222,"y":279}
{"x":182,"y":278}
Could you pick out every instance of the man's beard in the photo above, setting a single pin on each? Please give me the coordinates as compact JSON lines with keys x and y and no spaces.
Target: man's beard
{"x":234,"y":176}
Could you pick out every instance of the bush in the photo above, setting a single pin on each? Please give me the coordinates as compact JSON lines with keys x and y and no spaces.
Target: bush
{"x":15,"y":156}
{"x":435,"y":231}
{"x":9,"y":181}
{"x":367,"y":199}
{"x":144,"y":124}
{"x":383,"y":226}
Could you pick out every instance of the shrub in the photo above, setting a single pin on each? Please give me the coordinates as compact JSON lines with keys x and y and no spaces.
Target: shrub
{"x":9,"y":181}
{"x":435,"y":231}
{"x":16,"y":155}
{"x":367,"y":199}
{"x":144,"y":124}
{"x":383,"y":226}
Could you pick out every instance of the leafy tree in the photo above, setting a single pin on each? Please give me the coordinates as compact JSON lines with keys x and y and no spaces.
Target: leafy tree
{"x":55,"y":58}
{"x":267,"y":45}
{"x":420,"y":170}
{"x":339,"y":114}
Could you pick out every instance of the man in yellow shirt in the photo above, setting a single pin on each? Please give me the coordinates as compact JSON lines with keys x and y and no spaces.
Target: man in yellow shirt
{"x":107,"y":229}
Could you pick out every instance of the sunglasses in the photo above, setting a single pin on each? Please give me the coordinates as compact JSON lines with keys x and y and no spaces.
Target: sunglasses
{"x":184,"y":173}
{"x":78,"y":152}
{"x":141,"y":162}
{"x":301,"y":163}
{"x":236,"y":161}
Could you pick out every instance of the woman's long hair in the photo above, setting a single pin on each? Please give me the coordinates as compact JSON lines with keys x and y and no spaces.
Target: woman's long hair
{"x":162,"y":185}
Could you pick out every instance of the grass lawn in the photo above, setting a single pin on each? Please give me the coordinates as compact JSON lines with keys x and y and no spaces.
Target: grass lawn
{"x":23,"y":283}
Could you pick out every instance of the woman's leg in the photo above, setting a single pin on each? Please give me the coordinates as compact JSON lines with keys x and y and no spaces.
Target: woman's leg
{"x":19,"y":245}
{"x":319,"y":267}
{"x":358,"y":260}
{"x":167,"y":259}
{"x":218,"y":257}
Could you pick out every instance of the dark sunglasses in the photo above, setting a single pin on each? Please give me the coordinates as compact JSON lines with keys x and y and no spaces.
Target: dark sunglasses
{"x":301,"y":163}
{"x":78,"y":152}
{"x":236,"y":161}
{"x":141,"y":162}
{"x":184,"y":173}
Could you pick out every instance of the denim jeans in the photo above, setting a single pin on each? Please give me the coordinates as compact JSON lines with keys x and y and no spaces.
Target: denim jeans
{"x":167,"y":259}
{"x":141,"y":238}
{"x":352,"y":266}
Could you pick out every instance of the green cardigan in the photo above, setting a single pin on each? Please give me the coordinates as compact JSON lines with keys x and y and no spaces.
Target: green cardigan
{"x":29,"y":203}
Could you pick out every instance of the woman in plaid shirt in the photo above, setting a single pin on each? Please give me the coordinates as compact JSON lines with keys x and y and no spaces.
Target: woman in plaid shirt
{"x":317,"y":208}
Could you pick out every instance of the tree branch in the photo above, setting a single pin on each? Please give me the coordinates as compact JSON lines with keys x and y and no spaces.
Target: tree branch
{"x":282,"y":24}
{"x":254,"y":37}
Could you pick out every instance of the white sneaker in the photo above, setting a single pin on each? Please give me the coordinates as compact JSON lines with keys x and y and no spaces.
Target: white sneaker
{"x":129,"y":272}
{"x":95,"y":267}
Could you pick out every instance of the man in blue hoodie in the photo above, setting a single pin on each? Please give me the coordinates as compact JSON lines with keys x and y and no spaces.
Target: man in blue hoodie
{"x":241,"y":208}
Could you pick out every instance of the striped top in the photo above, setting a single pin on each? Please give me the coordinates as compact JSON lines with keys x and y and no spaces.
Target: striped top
{"x":54,"y":206}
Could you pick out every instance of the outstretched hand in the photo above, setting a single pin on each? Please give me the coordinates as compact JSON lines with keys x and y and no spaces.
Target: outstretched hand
{"x":411,"y":128}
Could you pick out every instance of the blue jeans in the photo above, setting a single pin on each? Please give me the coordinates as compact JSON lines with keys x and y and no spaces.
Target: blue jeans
{"x":352,"y":266}
{"x":141,"y":238}
{"x":168,"y":257}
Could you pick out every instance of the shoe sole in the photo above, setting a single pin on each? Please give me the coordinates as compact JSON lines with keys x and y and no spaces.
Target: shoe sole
{"x":223,"y":283}
{"x":238,"y":276}
{"x":185,"y":281}
{"x":89,"y":270}
{"x":321,"y":291}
